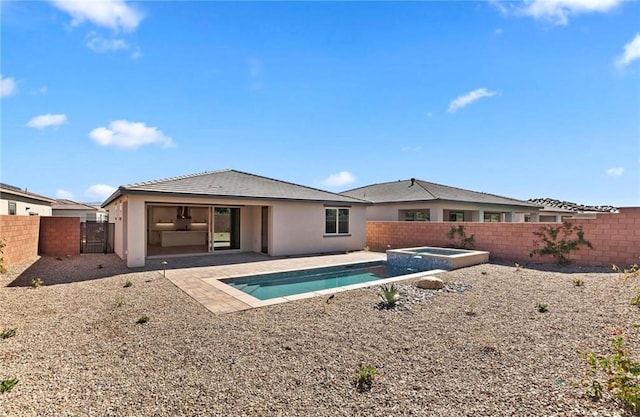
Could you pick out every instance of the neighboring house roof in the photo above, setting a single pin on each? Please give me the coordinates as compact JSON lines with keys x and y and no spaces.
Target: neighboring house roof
{"x":12,"y":190}
{"x":231,"y":184}
{"x":414,"y":190}
{"x":63,"y":204}
{"x":573,"y":207}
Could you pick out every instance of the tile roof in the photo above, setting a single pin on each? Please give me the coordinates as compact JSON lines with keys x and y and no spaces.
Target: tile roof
{"x":567,"y":205}
{"x":230,"y":183}
{"x":63,"y":204}
{"x":418,"y":190}
{"x":12,"y":190}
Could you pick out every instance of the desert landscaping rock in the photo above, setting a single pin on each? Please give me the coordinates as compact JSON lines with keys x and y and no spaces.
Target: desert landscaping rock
{"x":77,"y":350}
{"x":430,"y":283}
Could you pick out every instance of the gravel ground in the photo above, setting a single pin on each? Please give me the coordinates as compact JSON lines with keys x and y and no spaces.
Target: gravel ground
{"x":479,"y":349}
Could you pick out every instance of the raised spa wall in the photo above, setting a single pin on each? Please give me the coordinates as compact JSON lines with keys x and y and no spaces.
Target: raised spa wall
{"x":421,"y":260}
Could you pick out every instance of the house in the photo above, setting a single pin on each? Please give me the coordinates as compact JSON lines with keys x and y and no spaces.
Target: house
{"x":230,"y":211}
{"x":87,"y":213}
{"x":417,"y":200}
{"x":15,"y":201}
{"x":558,"y":211}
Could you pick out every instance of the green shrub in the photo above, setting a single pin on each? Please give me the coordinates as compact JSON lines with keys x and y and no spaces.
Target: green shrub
{"x":460,"y":239}
{"x":542,"y":307}
{"x":128,"y":284}
{"x":37,"y":282}
{"x":7,"y":333}
{"x":622,"y":373}
{"x":143,"y":319}
{"x":364,"y":377}
{"x":2,"y":268}
{"x":6,"y":385}
{"x":578,"y":282}
{"x":632,"y":272}
{"x":558,"y":242}
{"x":389,"y":295}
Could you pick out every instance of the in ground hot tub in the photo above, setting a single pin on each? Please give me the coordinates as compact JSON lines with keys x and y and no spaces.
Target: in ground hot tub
{"x":426,"y":258}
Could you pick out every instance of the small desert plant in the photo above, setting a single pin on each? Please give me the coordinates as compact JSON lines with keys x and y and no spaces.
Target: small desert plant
{"x":143,"y":319}
{"x":6,"y":385}
{"x":128,"y":284}
{"x":37,"y":282}
{"x":364,"y":377}
{"x":518,"y":267}
{"x":621,"y":370}
{"x":472,"y":303}
{"x":389,"y":295}
{"x":578,"y":282}
{"x":542,"y":307}
{"x":2,"y":268}
{"x":558,"y":242}
{"x":119,"y":301}
{"x":7,"y":333}
{"x":462,"y":242}
{"x":625,"y":274}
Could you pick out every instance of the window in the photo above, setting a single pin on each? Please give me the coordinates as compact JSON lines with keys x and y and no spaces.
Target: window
{"x":12,"y":208}
{"x":414,"y":215}
{"x":456,"y":216}
{"x":491,"y":217}
{"x":336,"y":221}
{"x":226,"y":228}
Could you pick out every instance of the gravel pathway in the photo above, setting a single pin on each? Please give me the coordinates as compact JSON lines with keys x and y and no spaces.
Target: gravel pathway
{"x":479,"y":348}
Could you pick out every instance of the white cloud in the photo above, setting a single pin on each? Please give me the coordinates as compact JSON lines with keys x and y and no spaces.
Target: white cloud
{"x":631,"y":52}
{"x":99,"y":191}
{"x":7,"y":86}
{"x":558,"y":11}
{"x":469,"y":98}
{"x":112,"y":14}
{"x":41,"y":90}
{"x":68,"y":195}
{"x":98,"y":44}
{"x":339,"y":180}
{"x":615,"y":172}
{"x":255,"y":67}
{"x":125,"y":134}
{"x":47,"y":120}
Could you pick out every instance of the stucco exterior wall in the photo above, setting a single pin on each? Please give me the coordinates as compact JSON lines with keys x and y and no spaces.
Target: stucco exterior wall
{"x":298,"y":228}
{"x":389,"y":211}
{"x":615,"y":238}
{"x":294,"y":227}
{"x":24,"y":206}
{"x":20,"y":235}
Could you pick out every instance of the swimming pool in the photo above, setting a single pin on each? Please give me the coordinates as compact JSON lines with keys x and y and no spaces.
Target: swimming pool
{"x":282,"y":284}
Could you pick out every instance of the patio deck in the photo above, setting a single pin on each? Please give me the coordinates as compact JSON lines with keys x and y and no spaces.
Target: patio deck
{"x":202,"y":281}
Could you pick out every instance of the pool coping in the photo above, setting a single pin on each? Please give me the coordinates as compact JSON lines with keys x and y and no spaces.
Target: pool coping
{"x":254,"y":302}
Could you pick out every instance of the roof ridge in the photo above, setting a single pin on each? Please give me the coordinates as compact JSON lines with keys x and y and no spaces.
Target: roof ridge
{"x":290,"y":183}
{"x":179,"y":177}
{"x":473,"y":191}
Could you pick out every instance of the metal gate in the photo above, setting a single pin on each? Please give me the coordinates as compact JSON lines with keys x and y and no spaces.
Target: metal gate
{"x":96,"y":237}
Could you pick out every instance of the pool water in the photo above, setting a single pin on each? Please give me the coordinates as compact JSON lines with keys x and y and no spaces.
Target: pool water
{"x":282,"y":284}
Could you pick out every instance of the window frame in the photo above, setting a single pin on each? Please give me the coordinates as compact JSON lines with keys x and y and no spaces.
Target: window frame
{"x":336,"y":219}
{"x":15,"y":208}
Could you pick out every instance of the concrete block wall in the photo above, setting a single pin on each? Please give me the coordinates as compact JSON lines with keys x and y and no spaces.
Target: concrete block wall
{"x":20,"y":235}
{"x":615,"y":238}
{"x":59,"y":236}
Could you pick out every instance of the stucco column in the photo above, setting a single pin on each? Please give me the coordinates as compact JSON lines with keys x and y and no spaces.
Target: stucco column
{"x":135,"y":235}
{"x":436,"y":214}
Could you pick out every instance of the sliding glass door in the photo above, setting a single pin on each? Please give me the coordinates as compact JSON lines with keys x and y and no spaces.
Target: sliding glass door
{"x":226,"y":228}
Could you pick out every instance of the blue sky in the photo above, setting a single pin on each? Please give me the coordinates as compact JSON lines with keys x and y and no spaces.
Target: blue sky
{"x":521,"y":99}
